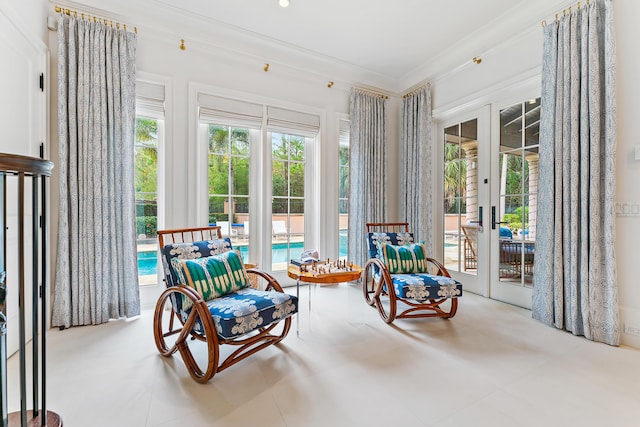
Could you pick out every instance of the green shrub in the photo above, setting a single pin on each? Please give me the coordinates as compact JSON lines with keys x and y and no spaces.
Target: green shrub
{"x":147,"y":225}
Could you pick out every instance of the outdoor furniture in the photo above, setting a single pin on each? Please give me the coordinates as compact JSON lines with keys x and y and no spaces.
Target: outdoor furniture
{"x":470,"y":243}
{"x":399,"y":272}
{"x":213,"y":298}
{"x":226,"y":230}
{"x":279,"y":228}
{"x":514,"y":255}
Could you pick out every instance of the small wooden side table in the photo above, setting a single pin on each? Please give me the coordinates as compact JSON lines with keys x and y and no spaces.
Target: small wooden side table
{"x":293,"y":271}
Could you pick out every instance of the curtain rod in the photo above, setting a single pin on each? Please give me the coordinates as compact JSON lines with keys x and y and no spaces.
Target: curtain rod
{"x":564,"y":13}
{"x":370,"y":92}
{"x":105,"y":21}
{"x":416,"y":90}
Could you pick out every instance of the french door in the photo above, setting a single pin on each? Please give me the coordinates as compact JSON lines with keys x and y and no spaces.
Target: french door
{"x":488,"y":180}
{"x":465,"y":164}
{"x":514,"y":188}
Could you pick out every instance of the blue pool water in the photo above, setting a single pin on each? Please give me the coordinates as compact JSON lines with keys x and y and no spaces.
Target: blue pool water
{"x":148,"y":260}
{"x":278,"y":252}
{"x":147,"y":263}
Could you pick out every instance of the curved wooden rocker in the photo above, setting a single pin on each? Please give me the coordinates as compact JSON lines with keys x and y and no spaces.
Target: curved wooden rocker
{"x":424,"y":293}
{"x":196,"y":321}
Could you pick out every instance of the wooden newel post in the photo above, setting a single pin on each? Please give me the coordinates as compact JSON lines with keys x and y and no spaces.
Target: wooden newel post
{"x":37,"y":170}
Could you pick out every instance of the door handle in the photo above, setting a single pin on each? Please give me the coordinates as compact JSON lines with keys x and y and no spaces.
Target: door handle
{"x":493,"y":218}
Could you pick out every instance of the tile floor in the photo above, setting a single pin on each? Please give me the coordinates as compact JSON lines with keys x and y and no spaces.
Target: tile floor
{"x":492,"y":365}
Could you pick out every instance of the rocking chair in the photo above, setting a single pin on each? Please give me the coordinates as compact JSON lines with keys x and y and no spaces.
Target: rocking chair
{"x":214,"y":299}
{"x":399,"y":271}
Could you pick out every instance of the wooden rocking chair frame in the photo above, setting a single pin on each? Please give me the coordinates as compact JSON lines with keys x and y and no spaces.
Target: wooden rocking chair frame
{"x":247,"y":345}
{"x":377,"y":291}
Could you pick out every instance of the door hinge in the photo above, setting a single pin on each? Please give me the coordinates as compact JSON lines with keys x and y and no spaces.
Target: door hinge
{"x":42,"y":82}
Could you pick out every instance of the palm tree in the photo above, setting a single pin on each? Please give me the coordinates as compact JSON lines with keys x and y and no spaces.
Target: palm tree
{"x":455,"y":175}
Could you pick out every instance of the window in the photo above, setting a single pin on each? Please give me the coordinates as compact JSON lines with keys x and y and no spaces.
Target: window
{"x":258,"y":176}
{"x":229,"y":177}
{"x":288,"y":201}
{"x":149,"y":132}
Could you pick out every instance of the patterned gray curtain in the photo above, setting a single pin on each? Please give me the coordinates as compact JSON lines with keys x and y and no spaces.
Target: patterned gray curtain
{"x":575,"y":267}
{"x":367,"y":168}
{"x":96,"y":273}
{"x":417,"y":204}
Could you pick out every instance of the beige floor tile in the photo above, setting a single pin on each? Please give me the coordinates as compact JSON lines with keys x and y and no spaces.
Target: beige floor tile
{"x":491,"y":365}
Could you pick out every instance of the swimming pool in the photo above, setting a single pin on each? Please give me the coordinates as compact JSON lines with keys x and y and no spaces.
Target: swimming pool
{"x":148,"y":261}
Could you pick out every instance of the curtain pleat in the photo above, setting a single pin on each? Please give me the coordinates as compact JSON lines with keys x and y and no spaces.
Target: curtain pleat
{"x":416,"y":202}
{"x":96,"y":269}
{"x":367,"y":168}
{"x":575,"y":284}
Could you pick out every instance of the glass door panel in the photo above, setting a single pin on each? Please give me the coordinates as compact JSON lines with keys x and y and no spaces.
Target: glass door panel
{"x":460,"y":183}
{"x":288,"y":198}
{"x":516,"y":151}
{"x":465,"y":158}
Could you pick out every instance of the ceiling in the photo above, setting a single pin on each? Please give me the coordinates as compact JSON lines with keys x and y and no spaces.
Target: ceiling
{"x":383,"y":43}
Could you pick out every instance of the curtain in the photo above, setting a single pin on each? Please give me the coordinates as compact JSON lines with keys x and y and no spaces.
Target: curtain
{"x":417,"y":205}
{"x":575,"y":268}
{"x":96,"y":269}
{"x":367,"y":168}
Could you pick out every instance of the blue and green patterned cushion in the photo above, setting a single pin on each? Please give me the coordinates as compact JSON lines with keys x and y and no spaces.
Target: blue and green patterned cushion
{"x":191,"y":250}
{"x":375,"y":238}
{"x":213,"y":276}
{"x":423,"y":286}
{"x":410,"y":258}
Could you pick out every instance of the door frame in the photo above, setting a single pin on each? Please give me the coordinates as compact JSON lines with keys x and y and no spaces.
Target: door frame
{"x":520,"y":296}
{"x":474,"y":283}
{"x":485,"y":103}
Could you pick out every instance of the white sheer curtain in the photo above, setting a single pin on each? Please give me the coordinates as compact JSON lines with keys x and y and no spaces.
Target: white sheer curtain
{"x":96,"y":273}
{"x":575,"y":267}
{"x":416,"y":202}
{"x":367,"y":168}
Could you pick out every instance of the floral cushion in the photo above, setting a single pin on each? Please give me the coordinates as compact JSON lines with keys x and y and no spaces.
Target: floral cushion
{"x":410,"y":258}
{"x":423,"y":286}
{"x":213,"y":276}
{"x":248,"y":309}
{"x":376,"y":238}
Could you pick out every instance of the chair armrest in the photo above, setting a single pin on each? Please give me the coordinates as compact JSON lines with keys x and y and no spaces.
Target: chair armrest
{"x":272,"y":283}
{"x":442,"y":270}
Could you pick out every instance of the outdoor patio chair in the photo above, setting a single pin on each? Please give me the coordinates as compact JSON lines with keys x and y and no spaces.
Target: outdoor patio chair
{"x":470,"y":242}
{"x":215,"y":300}
{"x":279,"y":228}
{"x":400,"y":276}
{"x":226,"y":230}
{"x":514,"y":254}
